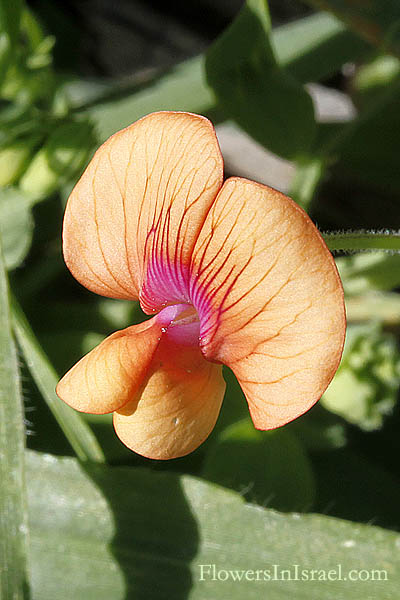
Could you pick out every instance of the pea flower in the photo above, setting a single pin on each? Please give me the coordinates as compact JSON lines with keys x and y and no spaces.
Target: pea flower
{"x":233,"y":273}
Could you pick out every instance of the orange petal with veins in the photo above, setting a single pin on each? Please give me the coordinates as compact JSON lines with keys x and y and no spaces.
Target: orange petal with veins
{"x":177,"y":407}
{"x":113,"y":372}
{"x":270,"y":300}
{"x":141,"y":202}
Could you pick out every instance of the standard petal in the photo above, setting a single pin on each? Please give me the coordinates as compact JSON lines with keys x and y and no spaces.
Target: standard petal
{"x":270,"y":300}
{"x":112,"y":373}
{"x":132,"y":220}
{"x":178,"y":404}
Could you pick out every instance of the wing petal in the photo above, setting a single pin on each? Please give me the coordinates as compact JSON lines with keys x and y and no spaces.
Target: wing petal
{"x":113,"y":372}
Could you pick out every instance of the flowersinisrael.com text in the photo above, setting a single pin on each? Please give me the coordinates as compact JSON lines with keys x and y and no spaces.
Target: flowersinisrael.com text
{"x":293,"y":572}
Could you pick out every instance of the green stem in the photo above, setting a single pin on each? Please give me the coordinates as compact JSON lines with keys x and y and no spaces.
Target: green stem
{"x":355,"y":241}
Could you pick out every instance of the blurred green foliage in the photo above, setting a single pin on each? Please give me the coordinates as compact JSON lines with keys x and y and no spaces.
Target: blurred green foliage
{"x":270,"y":468}
{"x":365,"y":386}
{"x":50,"y":124}
{"x":248,"y":82}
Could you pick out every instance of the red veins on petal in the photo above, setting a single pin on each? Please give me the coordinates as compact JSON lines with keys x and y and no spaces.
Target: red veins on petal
{"x":236,"y":274}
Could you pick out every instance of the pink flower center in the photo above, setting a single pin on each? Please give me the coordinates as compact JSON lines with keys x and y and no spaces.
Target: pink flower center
{"x":173,"y":292}
{"x":181,"y":323}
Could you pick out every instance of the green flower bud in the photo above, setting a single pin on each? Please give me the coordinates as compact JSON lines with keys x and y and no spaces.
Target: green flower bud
{"x":62,"y":158}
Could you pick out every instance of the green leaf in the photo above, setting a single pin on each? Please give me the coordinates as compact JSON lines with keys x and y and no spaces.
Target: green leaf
{"x":373,"y":76}
{"x":5,"y":55}
{"x":319,"y":430}
{"x":182,"y":88}
{"x":365,"y":387}
{"x":66,"y":347}
{"x":363,"y":273}
{"x":13,"y":516}
{"x":309,"y":49}
{"x":365,"y":149}
{"x":307,"y":177}
{"x":114,"y":533}
{"x":16,"y":225}
{"x":33,"y":29}
{"x":316,"y":47}
{"x":254,"y":91}
{"x":378,"y":21}
{"x":10,"y":17}
{"x":15,"y":158}
{"x":101,"y":315}
{"x":75,"y":429}
{"x":381,"y":306}
{"x":369,"y":145}
{"x":367,"y":279}
{"x":351,"y":487}
{"x":62,"y":157}
{"x":268,"y":467}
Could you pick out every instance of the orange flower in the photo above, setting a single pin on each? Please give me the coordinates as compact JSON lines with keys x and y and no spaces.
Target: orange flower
{"x":235,"y":273}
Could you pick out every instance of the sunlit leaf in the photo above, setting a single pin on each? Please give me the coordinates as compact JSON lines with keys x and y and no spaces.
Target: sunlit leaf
{"x":115,"y":533}
{"x":181,"y":88}
{"x":306,"y":179}
{"x":309,"y":49}
{"x":378,"y":21}
{"x":254,"y":91}
{"x":16,"y":226}
{"x":316,"y":47}
{"x":371,"y":78}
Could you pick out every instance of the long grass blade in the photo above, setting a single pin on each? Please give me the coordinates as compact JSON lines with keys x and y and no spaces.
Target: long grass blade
{"x":78,"y":433}
{"x":13,"y":512}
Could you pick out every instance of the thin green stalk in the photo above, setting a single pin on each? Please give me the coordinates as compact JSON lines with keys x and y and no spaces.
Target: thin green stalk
{"x":77,"y":432}
{"x":13,"y":512}
{"x":356,"y":241}
{"x":309,"y":172}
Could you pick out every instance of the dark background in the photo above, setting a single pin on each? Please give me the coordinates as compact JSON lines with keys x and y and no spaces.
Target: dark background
{"x":117,"y":38}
